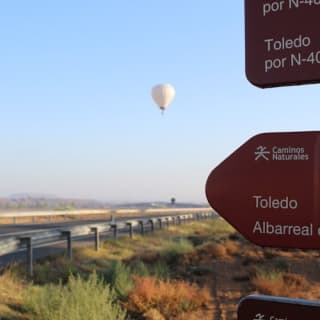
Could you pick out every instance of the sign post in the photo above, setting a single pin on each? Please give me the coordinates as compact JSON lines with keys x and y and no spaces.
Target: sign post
{"x":269,"y":189}
{"x":282,"y":42}
{"x":256,"y":307}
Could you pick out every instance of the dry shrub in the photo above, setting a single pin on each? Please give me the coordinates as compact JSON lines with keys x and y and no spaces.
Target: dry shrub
{"x":10,"y":288}
{"x":296,"y":280}
{"x":197,"y":315}
{"x":167,"y":299}
{"x":270,"y":253}
{"x":216,"y":250}
{"x":251,"y":256}
{"x":232,"y":248}
{"x":269,"y":286}
{"x":153,"y":314}
{"x":287,"y":285}
{"x":11,"y":295}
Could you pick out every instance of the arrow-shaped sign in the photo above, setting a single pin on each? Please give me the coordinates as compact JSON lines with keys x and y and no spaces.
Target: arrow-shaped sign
{"x":269,"y":189}
{"x":256,"y":307}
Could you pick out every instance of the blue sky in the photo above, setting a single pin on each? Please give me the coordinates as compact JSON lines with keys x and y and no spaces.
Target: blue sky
{"x":77,"y":119}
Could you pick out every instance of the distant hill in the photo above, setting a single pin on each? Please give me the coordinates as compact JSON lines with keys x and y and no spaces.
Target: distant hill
{"x":22,"y":201}
{"x":28,"y":201}
{"x":19,"y":196}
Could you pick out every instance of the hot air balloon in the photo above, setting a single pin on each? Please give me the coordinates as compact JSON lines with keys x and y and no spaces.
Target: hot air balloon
{"x":162,"y":95}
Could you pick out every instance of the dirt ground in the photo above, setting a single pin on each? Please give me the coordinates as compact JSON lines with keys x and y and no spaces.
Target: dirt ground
{"x":232,"y":276}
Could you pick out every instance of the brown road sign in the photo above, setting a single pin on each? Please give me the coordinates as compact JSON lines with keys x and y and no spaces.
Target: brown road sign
{"x":273,"y":308}
{"x":282,"y":42}
{"x":269,"y":189}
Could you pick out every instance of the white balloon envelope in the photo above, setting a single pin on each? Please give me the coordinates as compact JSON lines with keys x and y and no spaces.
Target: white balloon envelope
{"x":163,"y":94}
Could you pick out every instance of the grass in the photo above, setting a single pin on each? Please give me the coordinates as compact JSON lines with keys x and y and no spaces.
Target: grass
{"x":210,"y":229}
{"x":277,"y":282}
{"x":167,"y":242}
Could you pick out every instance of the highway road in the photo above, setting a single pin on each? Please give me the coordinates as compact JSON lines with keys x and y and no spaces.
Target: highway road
{"x":19,"y":230}
{"x":13,"y":230}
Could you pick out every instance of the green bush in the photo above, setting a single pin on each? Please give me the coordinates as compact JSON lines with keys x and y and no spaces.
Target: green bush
{"x":196,"y":240}
{"x":54,"y":271}
{"x":268,"y":274}
{"x":173,"y":250}
{"x":119,"y":277}
{"x":281,"y":264}
{"x":138,"y":268}
{"x":78,"y":300}
{"x":160,"y":270}
{"x":201,"y":270}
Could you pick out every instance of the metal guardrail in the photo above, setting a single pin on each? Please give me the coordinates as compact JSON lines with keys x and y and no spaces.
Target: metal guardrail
{"x":28,"y":242}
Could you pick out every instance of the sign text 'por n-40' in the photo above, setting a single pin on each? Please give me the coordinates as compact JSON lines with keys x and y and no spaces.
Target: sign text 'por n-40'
{"x":282,"y":42}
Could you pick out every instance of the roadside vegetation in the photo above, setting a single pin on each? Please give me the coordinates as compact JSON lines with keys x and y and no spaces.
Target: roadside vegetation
{"x":193,"y":271}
